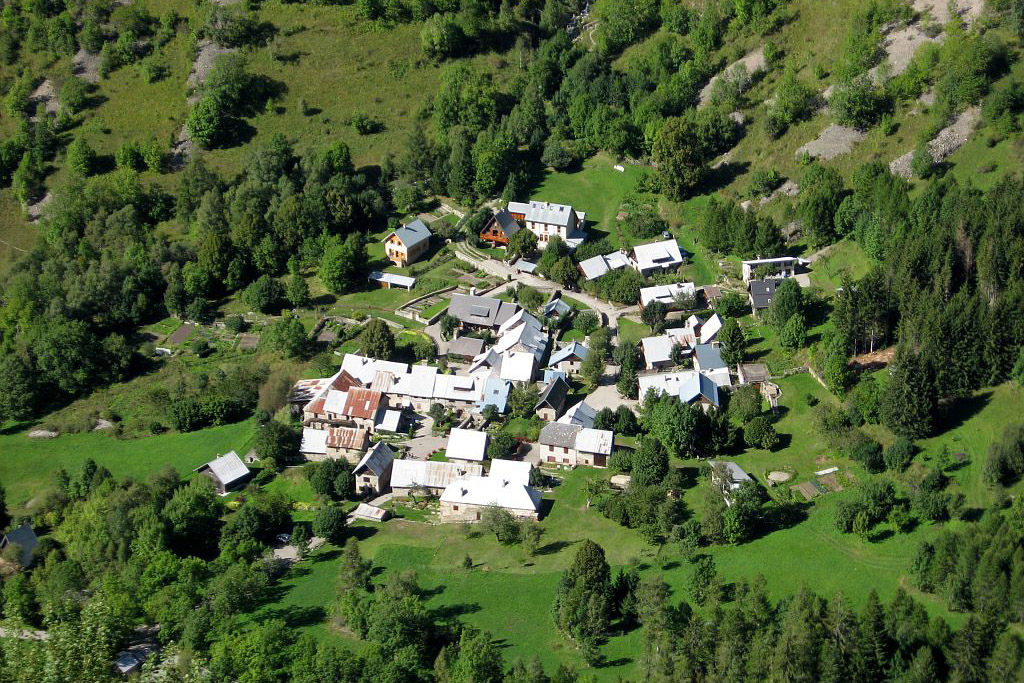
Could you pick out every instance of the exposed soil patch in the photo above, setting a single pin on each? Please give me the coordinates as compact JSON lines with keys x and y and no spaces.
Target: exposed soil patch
{"x":47,"y":94}
{"x":87,"y":66}
{"x":834,"y":141}
{"x":753,"y":62}
{"x":35,"y":211}
{"x":43,"y":434}
{"x":950,"y":139}
{"x":831,"y":481}
{"x":876,"y":360}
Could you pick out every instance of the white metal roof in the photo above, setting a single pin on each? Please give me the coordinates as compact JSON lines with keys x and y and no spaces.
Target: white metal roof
{"x":518,"y":366}
{"x":664,"y":382}
{"x":409,"y":473}
{"x":393,"y":279}
{"x":595,"y":441}
{"x":657,"y":349}
{"x":335,"y":401}
{"x":314,"y":441}
{"x":390,"y":421}
{"x":513,"y":471}
{"x":466,"y":444}
{"x":228,"y":468}
{"x":662,"y":254}
{"x":666,"y":294}
{"x":709,"y":330}
{"x":491,"y":491}
{"x":542,"y":212}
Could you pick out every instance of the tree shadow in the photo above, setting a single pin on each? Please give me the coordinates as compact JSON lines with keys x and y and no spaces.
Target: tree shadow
{"x":724,"y":175}
{"x":546,"y":505}
{"x":881,"y":535}
{"x":957,"y":412}
{"x":295,"y":616}
{"x":453,"y":612}
{"x":554,"y":547}
{"x":361,"y":533}
{"x":326,"y":556}
{"x":618,"y":661}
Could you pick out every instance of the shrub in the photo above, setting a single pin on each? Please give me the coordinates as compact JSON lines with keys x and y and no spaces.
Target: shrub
{"x":760,"y":433}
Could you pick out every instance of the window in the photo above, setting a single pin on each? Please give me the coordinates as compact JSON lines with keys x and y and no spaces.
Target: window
{"x":565,"y":449}
{"x":455,"y":507}
{"x":366,"y":480}
{"x":565,"y":460}
{"x":551,"y":458}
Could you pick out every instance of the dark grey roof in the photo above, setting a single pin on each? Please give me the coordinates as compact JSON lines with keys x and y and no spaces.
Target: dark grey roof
{"x":761,"y":292}
{"x":554,"y":395}
{"x":468,"y":347}
{"x":558,"y":434}
{"x":509,"y":225}
{"x":708,"y":357}
{"x":484,"y":311}
{"x":25,"y":538}
{"x":413,"y":233}
{"x":378,"y":459}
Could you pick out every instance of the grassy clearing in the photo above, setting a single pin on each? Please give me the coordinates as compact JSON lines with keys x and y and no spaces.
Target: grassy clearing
{"x":630,"y":330}
{"x":597,"y":189}
{"x":844,"y":258}
{"x":28,"y":464}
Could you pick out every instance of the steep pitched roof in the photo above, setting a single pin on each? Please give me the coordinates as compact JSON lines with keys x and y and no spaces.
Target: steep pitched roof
{"x":514,"y":471}
{"x":581,"y":414}
{"x":662,"y":254}
{"x":698,"y":385}
{"x":491,"y":491}
{"x":412,"y":233}
{"x":377,"y":460}
{"x":362,"y":403}
{"x":228,"y":469}
{"x":25,"y":538}
{"x":573,"y":350}
{"x":708,"y":357}
{"x":543,"y":212}
{"x":598,"y":441}
{"x":506,"y":223}
{"x":466,"y":444}
{"x":467,"y":347}
{"x":554,"y":395}
{"x":558,"y":434}
{"x":761,"y":292}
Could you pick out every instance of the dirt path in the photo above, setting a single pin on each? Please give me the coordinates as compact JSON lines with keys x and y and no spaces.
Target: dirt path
{"x":832,"y":142}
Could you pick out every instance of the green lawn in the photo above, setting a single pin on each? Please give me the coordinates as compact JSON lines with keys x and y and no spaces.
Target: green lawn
{"x":630,"y":330}
{"x":528,"y":427}
{"x":27,"y":465}
{"x":844,"y":258}
{"x":597,"y":189}
{"x":431,"y":311}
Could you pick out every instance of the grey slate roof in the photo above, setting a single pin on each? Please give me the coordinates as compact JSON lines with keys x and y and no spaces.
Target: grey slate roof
{"x":554,"y":395}
{"x":509,"y":225}
{"x":484,"y":311}
{"x":761,"y":292}
{"x":558,"y":434}
{"x":467,"y":347}
{"x":708,"y":357}
{"x":413,"y":233}
{"x":377,"y":459}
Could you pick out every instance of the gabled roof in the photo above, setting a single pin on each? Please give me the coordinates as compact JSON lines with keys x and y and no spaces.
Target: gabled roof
{"x":484,"y":311}
{"x":752,"y":372}
{"x":518,"y":366}
{"x":362,"y":403}
{"x":598,"y":441}
{"x":662,"y":254}
{"x":664,"y":382}
{"x":761,"y":292}
{"x":491,"y":491}
{"x":506,"y":223}
{"x":696,"y":386}
{"x":737,"y":475}
{"x":513,"y":471}
{"x":573,"y":350}
{"x":410,"y":473}
{"x":228,"y":469}
{"x":377,"y":460}
{"x":495,"y":393}
{"x":350,"y":438}
{"x":543,"y":212}
{"x":550,"y":374}
{"x":524,"y":266}
{"x":393,"y":279}
{"x":597,"y":266}
{"x":466,"y":444}
{"x":666,"y":294}
{"x":467,"y":347}
{"x":390,"y":421}
{"x":412,"y":234}
{"x":554,"y":395}
{"x":581,"y":414}
{"x":708,"y":357}
{"x":558,"y":434}
{"x":710,"y":328}
{"x":657,"y":349}
{"x":557,"y":306}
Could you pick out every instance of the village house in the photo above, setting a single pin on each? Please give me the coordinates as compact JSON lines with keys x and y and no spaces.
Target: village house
{"x":760,"y":293}
{"x":334,"y":443}
{"x":24,"y":540}
{"x":596,"y":266}
{"x":657,"y":352}
{"x":657,"y":257}
{"x":500,"y":229}
{"x":373,"y":472}
{"x":552,"y":400}
{"x":507,"y":486}
{"x":688,"y":386}
{"x":569,"y":359}
{"x":546,"y":220}
{"x":571,"y":445}
{"x":428,"y":477}
{"x":752,"y":373}
{"x":356,"y":407}
{"x":733,"y":476}
{"x":408,"y":243}
{"x":227,"y":472}
{"x":772,"y":268}
{"x":496,"y":391}
{"x":669,"y":294}
{"x":466,"y":444}
{"x":707,"y":360}
{"x":480,"y":312}
{"x":581,"y":414}
{"x":465,"y":348}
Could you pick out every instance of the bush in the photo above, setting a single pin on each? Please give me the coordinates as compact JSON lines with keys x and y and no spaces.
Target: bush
{"x":899,"y":455}
{"x":764,"y":182}
{"x":329,"y":523}
{"x":364,"y":124}
{"x":760,"y":433}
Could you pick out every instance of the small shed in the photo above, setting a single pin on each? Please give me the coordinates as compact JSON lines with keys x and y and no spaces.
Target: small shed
{"x":369,"y":513}
{"x":25,"y":539}
{"x":227,"y":472}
